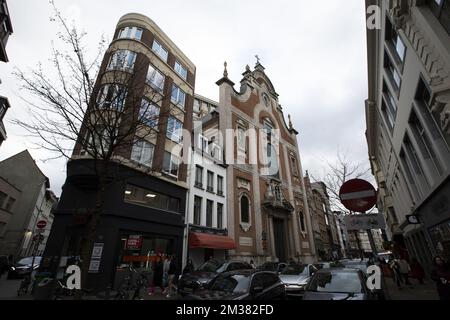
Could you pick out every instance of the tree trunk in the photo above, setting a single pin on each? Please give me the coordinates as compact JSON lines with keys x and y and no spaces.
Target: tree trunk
{"x":90,"y":237}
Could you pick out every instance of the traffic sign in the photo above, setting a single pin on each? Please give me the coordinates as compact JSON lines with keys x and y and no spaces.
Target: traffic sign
{"x":358,"y":195}
{"x":41,"y":224}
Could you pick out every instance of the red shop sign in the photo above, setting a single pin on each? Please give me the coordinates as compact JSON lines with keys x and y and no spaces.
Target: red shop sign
{"x":134,"y":243}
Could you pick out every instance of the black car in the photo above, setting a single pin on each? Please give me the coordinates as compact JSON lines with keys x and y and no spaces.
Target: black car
{"x":339,"y":284}
{"x":273,"y":266}
{"x":23,"y":267}
{"x":243,"y":285}
{"x":200,"y":278}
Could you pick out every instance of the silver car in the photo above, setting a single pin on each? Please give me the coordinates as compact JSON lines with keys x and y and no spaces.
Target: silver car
{"x":295,"y":277}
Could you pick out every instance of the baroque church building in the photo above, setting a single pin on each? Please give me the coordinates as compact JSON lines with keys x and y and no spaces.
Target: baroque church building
{"x":268,"y":215}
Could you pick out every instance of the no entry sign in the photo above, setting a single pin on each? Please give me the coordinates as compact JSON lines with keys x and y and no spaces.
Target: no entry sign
{"x":358,"y":195}
{"x":41,"y":224}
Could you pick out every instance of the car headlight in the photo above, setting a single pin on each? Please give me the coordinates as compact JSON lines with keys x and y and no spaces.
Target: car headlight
{"x":13,"y":269}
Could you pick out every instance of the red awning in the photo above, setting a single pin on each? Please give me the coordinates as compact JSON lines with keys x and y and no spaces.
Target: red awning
{"x":210,"y":241}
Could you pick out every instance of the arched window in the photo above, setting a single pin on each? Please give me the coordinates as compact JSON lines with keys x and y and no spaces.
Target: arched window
{"x":302,"y":221}
{"x":245,"y":209}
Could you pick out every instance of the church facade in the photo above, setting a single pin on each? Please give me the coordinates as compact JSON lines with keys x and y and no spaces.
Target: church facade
{"x":268,"y":215}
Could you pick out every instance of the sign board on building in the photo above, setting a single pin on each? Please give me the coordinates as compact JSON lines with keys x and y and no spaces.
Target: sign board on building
{"x":94,"y":267}
{"x":246,"y":242}
{"x":134,"y":242}
{"x":364,"y":222}
{"x":97,"y":251}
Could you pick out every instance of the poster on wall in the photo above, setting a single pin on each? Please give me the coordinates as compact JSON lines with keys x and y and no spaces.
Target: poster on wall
{"x":134,"y":242}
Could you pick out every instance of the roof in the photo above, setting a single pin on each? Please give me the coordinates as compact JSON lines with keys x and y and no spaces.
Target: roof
{"x":27,"y":154}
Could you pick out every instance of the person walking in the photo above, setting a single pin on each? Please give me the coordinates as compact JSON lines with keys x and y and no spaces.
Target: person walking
{"x":396,"y":275}
{"x":158,"y":275}
{"x":405,"y":269}
{"x":441,"y":275}
{"x":171,"y":272}
{"x":417,"y":271}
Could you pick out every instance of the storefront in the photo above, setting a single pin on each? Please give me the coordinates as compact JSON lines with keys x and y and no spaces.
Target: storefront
{"x":142,"y":221}
{"x":204,"y":246}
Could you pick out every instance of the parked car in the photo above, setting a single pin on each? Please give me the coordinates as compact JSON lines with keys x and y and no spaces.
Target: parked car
{"x":200,"y":278}
{"x":328,"y":265}
{"x":339,"y":284}
{"x":296,"y":277}
{"x":23,"y":267}
{"x":273,"y":266}
{"x":243,"y":285}
{"x":357,"y":264}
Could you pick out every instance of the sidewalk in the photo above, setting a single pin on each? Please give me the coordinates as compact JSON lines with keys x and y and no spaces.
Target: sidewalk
{"x":416,"y":291}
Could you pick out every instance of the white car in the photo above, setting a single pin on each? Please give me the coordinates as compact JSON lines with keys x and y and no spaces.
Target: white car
{"x":296,"y":277}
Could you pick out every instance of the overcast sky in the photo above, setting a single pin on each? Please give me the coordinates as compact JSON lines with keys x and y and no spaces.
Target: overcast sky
{"x":313,"y":51}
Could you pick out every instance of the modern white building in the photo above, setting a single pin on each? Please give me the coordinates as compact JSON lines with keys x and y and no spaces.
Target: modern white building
{"x":207,"y":234}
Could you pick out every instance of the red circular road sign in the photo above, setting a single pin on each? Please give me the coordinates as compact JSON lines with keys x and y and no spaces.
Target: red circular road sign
{"x":358,"y":195}
{"x":41,"y":224}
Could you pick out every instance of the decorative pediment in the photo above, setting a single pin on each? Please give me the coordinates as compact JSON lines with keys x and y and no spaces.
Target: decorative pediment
{"x":275,"y":199}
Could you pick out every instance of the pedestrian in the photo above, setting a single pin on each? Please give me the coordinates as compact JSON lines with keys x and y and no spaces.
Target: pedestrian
{"x":405,"y":269}
{"x":189,"y":267}
{"x":171,"y":273}
{"x":158,"y":274}
{"x":441,"y":275}
{"x":396,"y":275}
{"x":417,"y":271}
{"x":252,"y":264}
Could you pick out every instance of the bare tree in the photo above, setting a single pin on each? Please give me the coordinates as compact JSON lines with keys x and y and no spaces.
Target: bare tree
{"x":337,"y":173}
{"x":92,"y":109}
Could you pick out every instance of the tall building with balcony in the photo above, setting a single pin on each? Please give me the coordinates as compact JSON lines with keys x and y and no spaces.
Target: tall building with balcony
{"x":143,"y":211}
{"x":408,"y":123}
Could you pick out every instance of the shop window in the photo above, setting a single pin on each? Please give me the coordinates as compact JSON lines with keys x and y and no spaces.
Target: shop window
{"x":152,"y":199}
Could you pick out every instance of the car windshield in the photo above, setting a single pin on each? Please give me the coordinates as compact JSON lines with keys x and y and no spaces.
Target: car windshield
{"x":338,"y":282}
{"x":356,"y":265}
{"x":29,"y":260}
{"x":235,"y":284}
{"x":293,"y":269}
{"x":268,"y":266}
{"x":210,"y":266}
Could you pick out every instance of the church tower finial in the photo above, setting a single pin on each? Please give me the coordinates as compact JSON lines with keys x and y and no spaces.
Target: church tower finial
{"x":225,"y":72}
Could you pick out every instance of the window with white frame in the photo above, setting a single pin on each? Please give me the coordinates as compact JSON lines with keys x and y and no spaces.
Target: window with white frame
{"x":160,"y":50}
{"x":171,"y":164}
{"x":112,"y":96}
{"x":149,"y":113}
{"x":174,"y":129}
{"x":209,"y":213}
{"x":220,"y":185}
{"x":203,"y":143}
{"x":142,"y":152}
{"x":219,"y":216}
{"x":182,"y":71}
{"x":155,"y":78}
{"x":199,"y":177}
{"x":131,"y":33}
{"x":242,"y":143}
{"x":210,"y":181}
{"x":178,"y":96}
{"x":101,"y":140}
{"x":395,"y":41}
{"x":122,"y":60}
{"x":197,"y":210}
{"x":392,"y":72}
